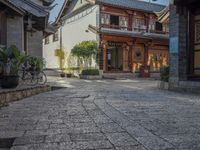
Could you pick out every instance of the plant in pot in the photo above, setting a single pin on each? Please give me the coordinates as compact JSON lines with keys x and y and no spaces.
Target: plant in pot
{"x":62,"y":74}
{"x":36,"y":64}
{"x":69,"y":72}
{"x":11,"y":59}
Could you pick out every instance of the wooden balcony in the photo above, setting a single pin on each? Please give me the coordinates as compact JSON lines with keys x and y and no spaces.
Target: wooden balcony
{"x":143,"y":29}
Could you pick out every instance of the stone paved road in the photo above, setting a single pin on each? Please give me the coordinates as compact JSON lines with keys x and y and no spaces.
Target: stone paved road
{"x":104,"y":115}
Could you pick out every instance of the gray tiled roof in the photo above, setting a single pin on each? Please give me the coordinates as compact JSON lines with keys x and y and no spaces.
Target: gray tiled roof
{"x":30,"y":7}
{"x":134,"y":4}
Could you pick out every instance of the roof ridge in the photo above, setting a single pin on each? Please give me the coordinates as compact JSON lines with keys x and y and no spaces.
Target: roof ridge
{"x":29,"y":2}
{"x":134,"y":4}
{"x":151,"y":3}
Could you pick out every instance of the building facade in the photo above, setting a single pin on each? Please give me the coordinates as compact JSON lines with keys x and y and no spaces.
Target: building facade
{"x":129,"y":34}
{"x":185,"y":44}
{"x":72,"y":28}
{"x":24,"y":23}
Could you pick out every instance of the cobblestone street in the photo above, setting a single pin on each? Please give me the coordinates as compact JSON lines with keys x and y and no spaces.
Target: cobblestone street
{"x":104,"y":115}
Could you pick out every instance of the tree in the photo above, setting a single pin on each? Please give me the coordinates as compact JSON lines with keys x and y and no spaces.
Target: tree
{"x":85,"y":51}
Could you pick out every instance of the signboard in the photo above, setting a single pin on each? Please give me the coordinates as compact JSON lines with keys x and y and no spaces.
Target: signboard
{"x":174,"y":45}
{"x":115,"y":44}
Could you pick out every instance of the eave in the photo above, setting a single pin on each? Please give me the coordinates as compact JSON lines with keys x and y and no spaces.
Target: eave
{"x":61,"y":13}
{"x":48,"y":2}
{"x":142,"y":35}
{"x":13,"y":7}
{"x":98,"y":2}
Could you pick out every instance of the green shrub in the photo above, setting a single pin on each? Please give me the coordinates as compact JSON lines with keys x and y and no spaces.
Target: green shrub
{"x":164,"y":73}
{"x":92,"y":72}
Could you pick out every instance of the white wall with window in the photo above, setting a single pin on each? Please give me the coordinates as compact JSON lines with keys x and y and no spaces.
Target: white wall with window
{"x":74,"y":31}
{"x":50,"y":45}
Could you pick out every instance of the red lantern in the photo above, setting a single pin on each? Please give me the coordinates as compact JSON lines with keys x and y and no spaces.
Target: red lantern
{"x":104,"y":46}
{"x":127,"y":47}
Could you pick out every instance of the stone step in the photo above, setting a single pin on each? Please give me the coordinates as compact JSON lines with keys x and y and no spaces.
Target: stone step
{"x":52,"y":72}
{"x":118,"y":76}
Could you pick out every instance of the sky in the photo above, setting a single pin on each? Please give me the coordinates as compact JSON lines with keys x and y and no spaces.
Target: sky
{"x":59,"y":3}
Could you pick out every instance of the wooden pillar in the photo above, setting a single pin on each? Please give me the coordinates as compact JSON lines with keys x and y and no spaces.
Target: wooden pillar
{"x":104,"y":57}
{"x":146,"y":49}
{"x":147,"y":22}
{"x":130,"y":20}
{"x":130,"y":59}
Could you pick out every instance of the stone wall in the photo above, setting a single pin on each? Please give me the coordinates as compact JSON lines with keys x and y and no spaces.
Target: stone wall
{"x":15,"y":31}
{"x":178,"y":46}
{"x":34,"y":43}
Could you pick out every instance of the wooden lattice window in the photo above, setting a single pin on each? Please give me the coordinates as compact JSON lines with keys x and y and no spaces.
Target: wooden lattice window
{"x":55,"y":37}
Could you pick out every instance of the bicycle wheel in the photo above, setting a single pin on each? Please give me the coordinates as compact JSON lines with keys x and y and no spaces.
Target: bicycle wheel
{"x":42,"y":78}
{"x":30,"y":79}
{"x":21,"y":74}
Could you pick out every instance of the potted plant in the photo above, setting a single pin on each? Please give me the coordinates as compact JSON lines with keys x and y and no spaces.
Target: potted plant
{"x":11,"y":58}
{"x":69,"y":72}
{"x":36,"y":63}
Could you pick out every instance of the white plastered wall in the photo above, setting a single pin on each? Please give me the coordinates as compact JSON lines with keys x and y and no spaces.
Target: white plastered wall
{"x":74,"y":31}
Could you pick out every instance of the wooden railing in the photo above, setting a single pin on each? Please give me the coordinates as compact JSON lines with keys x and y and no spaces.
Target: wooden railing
{"x":116,"y":27}
{"x":135,"y":29}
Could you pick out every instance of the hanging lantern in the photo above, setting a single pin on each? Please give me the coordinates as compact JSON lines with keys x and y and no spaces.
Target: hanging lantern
{"x":104,"y":46}
{"x":127,"y":47}
{"x":103,"y":8}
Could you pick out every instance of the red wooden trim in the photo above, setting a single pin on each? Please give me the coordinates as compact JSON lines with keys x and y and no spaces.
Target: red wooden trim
{"x":130,"y":21}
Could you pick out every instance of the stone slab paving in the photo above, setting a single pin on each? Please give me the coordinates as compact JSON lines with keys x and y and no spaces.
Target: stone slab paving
{"x":103,"y":115}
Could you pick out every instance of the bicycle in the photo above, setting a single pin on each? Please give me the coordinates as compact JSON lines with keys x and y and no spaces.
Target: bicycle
{"x":31,"y":76}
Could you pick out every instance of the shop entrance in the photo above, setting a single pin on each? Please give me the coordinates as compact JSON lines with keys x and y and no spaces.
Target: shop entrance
{"x":114,"y":59}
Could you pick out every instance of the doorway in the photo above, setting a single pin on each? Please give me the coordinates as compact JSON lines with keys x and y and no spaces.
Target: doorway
{"x":115,"y":59}
{"x":194,"y":61}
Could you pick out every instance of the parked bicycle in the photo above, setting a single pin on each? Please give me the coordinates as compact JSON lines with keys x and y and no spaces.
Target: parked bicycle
{"x":32,"y":77}
{"x":31,"y":73}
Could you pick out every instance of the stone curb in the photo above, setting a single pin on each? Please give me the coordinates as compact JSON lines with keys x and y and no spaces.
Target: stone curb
{"x":11,"y":95}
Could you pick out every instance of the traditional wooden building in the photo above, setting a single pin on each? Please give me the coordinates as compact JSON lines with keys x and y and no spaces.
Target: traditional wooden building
{"x":185,"y":44}
{"x":132,"y":37}
{"x":129,"y":34}
{"x":24,"y":23}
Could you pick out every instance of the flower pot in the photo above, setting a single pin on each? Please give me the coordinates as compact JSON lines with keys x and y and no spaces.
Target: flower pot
{"x":11,"y":81}
{"x":62,"y":75}
{"x":69,"y":75}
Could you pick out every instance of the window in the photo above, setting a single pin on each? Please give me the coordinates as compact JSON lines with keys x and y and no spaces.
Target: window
{"x":152,"y":23}
{"x":139,"y":24}
{"x":55,"y":37}
{"x":123,"y":21}
{"x":114,"y":20}
{"x":159,"y":26}
{"x":166,"y":28}
{"x":46,"y":40}
{"x":105,"y":19}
